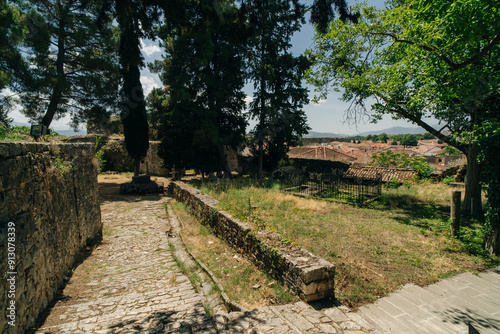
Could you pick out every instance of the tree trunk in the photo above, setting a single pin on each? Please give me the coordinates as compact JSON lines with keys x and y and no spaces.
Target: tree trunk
{"x":57,"y":90}
{"x":137,"y":164}
{"x":260,"y":156}
{"x":223,"y":161}
{"x":472,"y":200}
{"x":492,"y":244}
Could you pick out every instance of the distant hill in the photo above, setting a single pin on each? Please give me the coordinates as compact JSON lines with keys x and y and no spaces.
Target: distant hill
{"x":67,"y":133}
{"x":314,"y":134}
{"x":396,"y":130}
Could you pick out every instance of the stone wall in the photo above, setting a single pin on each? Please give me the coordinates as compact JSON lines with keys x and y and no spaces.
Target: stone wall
{"x":152,"y":163}
{"x":49,"y":212}
{"x":311,"y":277}
{"x":116,"y":157}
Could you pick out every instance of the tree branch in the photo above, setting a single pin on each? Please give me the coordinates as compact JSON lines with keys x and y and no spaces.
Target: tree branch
{"x":400,"y":111}
{"x":454,"y":66}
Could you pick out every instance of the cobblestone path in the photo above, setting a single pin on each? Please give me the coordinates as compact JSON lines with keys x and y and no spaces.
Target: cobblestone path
{"x":131,"y":284}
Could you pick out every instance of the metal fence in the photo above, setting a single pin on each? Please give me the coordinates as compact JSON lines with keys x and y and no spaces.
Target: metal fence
{"x":335,"y":186}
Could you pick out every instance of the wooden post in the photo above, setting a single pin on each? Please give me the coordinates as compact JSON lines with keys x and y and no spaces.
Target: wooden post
{"x":456,"y":197}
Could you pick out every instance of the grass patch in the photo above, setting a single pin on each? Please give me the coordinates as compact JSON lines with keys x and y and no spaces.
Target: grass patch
{"x":171,"y":246}
{"x":181,"y":265}
{"x":236,"y":274}
{"x":401,"y":238}
{"x":208,"y":309}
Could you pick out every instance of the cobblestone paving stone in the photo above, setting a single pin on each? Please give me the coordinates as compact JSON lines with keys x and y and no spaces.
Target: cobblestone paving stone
{"x":131,"y":284}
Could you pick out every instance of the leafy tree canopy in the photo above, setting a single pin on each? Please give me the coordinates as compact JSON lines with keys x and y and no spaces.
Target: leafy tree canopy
{"x":417,"y":59}
{"x":402,"y":160}
{"x":204,"y":72}
{"x":72,"y":60}
{"x":277,"y":78}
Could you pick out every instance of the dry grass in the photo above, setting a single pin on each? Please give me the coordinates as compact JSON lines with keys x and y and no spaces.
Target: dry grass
{"x":403,"y":238}
{"x":237,"y":275}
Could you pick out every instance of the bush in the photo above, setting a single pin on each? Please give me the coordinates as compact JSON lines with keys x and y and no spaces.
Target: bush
{"x":489,"y":137}
{"x":448,"y":179}
{"x":388,"y":158}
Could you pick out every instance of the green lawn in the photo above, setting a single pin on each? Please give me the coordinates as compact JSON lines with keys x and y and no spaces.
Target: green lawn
{"x":401,"y":238}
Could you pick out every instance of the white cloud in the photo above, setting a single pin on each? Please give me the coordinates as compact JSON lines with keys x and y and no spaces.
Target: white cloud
{"x":322,"y":101}
{"x":248,"y":99}
{"x":149,"y":49}
{"x":148,"y":83}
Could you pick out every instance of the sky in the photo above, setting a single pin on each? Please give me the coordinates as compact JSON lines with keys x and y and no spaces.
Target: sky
{"x":326,"y":116}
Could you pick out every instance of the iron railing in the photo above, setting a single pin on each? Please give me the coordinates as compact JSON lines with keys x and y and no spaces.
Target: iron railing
{"x":335,"y":186}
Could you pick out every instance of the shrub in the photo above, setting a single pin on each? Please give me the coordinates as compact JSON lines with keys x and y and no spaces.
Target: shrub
{"x":448,"y":179}
{"x":402,"y":160}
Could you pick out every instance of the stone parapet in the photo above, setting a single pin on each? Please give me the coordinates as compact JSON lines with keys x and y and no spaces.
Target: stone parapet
{"x":311,"y":277}
{"x":49,"y":213}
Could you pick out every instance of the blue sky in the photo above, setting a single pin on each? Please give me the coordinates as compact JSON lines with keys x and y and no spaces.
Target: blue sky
{"x":327,"y":116}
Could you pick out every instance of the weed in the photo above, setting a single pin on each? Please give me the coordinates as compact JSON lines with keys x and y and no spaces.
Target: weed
{"x":171,"y":246}
{"x":205,"y":230}
{"x":208,"y":309}
{"x":332,"y":254}
{"x":214,"y":288}
{"x":173,"y":280}
{"x":180,"y":264}
{"x":283,"y":296}
{"x":448,"y":179}
{"x":195,"y":280}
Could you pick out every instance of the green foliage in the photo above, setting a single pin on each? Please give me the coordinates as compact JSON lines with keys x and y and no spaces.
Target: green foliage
{"x":402,"y":160}
{"x":133,"y":106}
{"x":12,"y":33}
{"x":209,"y":311}
{"x":417,"y":59}
{"x":472,"y":238}
{"x":72,"y":61}
{"x":181,"y":265}
{"x":409,"y":140}
{"x":17,"y":133}
{"x":393,"y":183}
{"x":488,"y":137}
{"x":61,"y":165}
{"x":450,"y":150}
{"x":3,"y":131}
{"x":202,"y":112}
{"x":448,"y":179}
{"x":277,"y":77}
{"x":383,"y":137}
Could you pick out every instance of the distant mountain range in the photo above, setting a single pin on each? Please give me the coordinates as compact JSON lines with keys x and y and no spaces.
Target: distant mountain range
{"x":67,"y":133}
{"x":396,"y":130}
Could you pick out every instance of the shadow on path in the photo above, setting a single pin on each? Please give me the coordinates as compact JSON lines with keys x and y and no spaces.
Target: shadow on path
{"x":471,"y":318}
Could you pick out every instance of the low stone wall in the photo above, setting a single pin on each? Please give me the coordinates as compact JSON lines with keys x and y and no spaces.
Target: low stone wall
{"x":116,"y":156}
{"x":49,"y":212}
{"x":311,"y":277}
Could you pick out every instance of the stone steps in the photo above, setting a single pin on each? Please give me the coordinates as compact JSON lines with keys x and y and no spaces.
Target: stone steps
{"x":466,"y":303}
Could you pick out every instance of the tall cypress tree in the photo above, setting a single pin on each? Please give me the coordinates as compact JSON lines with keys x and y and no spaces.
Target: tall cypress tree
{"x":133,"y":108}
